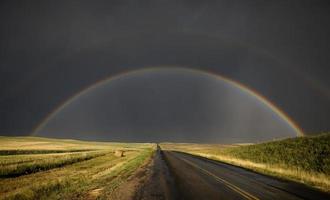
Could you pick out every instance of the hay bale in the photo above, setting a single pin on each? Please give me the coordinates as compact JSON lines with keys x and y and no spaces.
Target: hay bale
{"x":119,"y":153}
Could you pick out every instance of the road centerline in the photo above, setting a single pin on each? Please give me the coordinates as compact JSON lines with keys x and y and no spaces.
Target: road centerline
{"x":228,"y":184}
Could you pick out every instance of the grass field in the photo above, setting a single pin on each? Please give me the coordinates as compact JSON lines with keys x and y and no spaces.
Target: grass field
{"x":42,"y":168}
{"x":303,"y":159}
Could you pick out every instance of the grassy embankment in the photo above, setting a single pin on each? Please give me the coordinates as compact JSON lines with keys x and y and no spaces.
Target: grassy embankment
{"x":41,"y":168}
{"x":303,"y":159}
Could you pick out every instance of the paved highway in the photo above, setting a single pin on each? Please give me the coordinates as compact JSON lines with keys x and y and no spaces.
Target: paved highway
{"x":200,"y":178}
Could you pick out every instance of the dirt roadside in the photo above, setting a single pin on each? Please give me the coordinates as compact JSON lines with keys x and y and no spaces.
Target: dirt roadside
{"x":151,"y":181}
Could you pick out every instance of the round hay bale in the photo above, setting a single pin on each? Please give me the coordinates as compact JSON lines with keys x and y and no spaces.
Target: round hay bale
{"x":119,"y":153}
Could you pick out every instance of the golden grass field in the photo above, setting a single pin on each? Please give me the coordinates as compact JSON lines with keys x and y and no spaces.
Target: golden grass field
{"x":302,"y":159}
{"x":42,"y":168}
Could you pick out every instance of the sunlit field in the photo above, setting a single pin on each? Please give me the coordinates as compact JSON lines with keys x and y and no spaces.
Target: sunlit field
{"x":303,"y":159}
{"x":40,"y":168}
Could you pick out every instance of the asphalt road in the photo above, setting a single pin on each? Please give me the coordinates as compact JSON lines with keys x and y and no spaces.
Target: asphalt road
{"x":200,"y":178}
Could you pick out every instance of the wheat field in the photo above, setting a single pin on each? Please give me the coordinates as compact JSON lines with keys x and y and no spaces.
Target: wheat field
{"x":42,"y":168}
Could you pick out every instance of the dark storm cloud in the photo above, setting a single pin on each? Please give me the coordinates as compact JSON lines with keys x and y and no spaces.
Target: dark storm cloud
{"x":52,"y":49}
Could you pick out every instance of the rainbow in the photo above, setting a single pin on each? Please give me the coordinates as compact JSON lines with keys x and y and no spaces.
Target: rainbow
{"x":229,"y":81}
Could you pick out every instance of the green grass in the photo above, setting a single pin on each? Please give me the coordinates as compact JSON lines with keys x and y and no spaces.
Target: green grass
{"x":41,"y":163}
{"x":66,"y":169}
{"x":311,"y":154}
{"x":302,"y":159}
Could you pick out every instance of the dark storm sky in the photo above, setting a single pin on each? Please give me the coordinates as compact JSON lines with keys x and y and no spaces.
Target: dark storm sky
{"x":50,"y":50}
